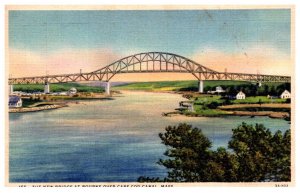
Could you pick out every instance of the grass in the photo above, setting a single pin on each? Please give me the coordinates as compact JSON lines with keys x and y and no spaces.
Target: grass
{"x":209,"y":112}
{"x":186,"y":85}
{"x":202,"y":104}
{"x":29,"y":102}
{"x":258,"y":99}
{"x":151,"y":86}
{"x":60,"y":87}
{"x":207,"y":99}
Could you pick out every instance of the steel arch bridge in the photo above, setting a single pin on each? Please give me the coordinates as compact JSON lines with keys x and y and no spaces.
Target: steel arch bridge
{"x":150,"y":62}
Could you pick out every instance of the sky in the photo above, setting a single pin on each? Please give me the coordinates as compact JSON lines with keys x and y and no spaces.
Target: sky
{"x":57,"y":42}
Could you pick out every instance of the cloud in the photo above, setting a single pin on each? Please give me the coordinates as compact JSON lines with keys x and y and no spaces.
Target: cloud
{"x":23,"y":63}
{"x":28,"y":63}
{"x":256,"y":59}
{"x":264,"y":59}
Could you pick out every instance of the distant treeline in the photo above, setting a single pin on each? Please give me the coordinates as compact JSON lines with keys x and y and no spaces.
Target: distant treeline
{"x":233,"y":87}
{"x":62,"y":87}
{"x":254,"y":89}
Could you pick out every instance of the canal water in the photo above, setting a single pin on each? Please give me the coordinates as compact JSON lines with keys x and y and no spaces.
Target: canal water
{"x":105,"y":141}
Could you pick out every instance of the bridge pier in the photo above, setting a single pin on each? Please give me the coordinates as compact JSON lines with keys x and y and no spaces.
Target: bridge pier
{"x":107,"y":88}
{"x":200,"y":88}
{"x":10,"y":89}
{"x":46,"y":88}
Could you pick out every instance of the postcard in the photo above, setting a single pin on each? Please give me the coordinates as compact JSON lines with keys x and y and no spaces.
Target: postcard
{"x":150,"y":96}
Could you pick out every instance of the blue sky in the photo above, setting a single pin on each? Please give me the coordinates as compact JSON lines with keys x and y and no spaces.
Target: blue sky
{"x":183,"y":32}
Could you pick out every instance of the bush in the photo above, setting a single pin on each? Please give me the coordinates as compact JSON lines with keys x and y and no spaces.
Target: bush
{"x":213,"y":105}
{"x":256,"y":155}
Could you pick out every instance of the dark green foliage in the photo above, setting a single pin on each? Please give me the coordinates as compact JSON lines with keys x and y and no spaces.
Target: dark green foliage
{"x":190,"y":153}
{"x":288,"y":101}
{"x":147,"y":179}
{"x":262,"y":156}
{"x":213,"y":105}
{"x":231,"y":87}
{"x":59,"y":87}
{"x":223,"y":166}
{"x":273,"y":89}
{"x":31,"y":101}
{"x":257,"y":155}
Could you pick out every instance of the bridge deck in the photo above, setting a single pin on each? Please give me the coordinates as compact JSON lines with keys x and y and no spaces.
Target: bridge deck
{"x":150,"y":62}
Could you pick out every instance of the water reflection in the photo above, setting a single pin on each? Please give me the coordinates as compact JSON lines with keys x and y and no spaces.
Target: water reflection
{"x":105,"y":141}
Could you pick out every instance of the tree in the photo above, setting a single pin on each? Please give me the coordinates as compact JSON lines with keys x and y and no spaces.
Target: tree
{"x":257,"y":155}
{"x":188,"y":152}
{"x":261,"y":155}
{"x":191,"y":159}
{"x":282,"y":151}
{"x":222,"y":167}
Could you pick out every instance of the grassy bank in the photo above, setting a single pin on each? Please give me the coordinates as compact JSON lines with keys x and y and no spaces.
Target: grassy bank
{"x":208,"y":105}
{"x":258,"y":99}
{"x":187,"y":85}
{"x":61,"y":87}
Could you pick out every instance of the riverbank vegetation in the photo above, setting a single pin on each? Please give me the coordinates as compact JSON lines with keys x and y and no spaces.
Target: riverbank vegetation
{"x":188,"y":85}
{"x":53,"y":99}
{"x":254,"y":154}
{"x":59,"y":87}
{"x":209,"y":105}
{"x":216,"y":105}
{"x":250,"y":89}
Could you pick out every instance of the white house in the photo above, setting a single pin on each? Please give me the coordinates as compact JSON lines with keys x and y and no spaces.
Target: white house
{"x":14,"y":101}
{"x":219,"y":89}
{"x":240,"y":96}
{"x":72,"y":91}
{"x":285,"y":95}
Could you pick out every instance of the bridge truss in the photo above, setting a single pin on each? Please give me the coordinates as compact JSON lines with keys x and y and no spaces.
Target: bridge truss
{"x":150,"y":62}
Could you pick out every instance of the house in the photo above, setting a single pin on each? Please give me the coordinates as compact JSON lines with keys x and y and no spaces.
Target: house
{"x":285,"y":95}
{"x":219,"y":89}
{"x":72,"y":91}
{"x":240,"y":96}
{"x":14,"y":101}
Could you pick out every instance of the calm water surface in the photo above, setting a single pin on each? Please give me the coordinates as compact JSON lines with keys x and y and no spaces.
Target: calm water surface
{"x":105,"y":141}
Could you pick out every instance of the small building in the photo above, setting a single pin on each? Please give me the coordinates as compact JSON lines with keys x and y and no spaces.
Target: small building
{"x":219,"y":89}
{"x":14,"y":101}
{"x":285,"y":95}
{"x":240,"y":96}
{"x":72,"y":91}
{"x":187,"y":105}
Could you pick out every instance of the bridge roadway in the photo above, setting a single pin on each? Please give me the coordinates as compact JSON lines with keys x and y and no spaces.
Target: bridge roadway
{"x":149,"y":62}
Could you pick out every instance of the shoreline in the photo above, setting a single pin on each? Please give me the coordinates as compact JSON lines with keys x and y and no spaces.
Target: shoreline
{"x":273,"y":115}
{"x":49,"y":105}
{"x":36,"y":109}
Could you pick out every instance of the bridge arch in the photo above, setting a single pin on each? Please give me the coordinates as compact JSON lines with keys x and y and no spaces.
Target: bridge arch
{"x":161,"y":62}
{"x":151,"y":62}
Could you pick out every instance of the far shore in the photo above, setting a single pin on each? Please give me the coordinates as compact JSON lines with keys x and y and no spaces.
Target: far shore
{"x":221,"y":111}
{"x":56,"y":104}
{"x":271,"y":114}
{"x":35,"y":109}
